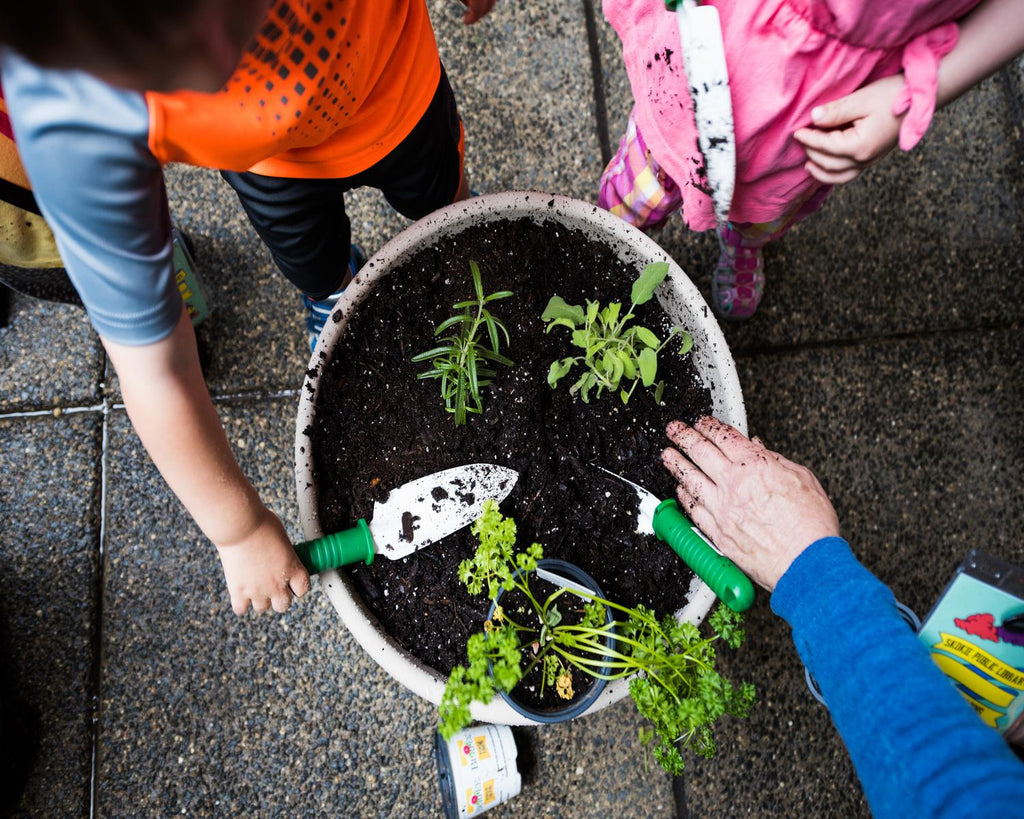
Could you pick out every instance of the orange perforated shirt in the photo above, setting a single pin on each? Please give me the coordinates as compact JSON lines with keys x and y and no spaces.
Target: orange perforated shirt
{"x":326,"y":89}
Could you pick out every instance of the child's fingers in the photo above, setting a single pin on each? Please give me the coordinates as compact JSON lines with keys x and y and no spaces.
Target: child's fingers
{"x":260,"y":604}
{"x":837,"y":112}
{"x":836,"y":143}
{"x":299,"y":583}
{"x":829,"y":177}
{"x":830,"y":162}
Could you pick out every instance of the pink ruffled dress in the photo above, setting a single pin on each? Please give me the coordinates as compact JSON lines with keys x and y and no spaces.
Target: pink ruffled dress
{"x":784,"y":58}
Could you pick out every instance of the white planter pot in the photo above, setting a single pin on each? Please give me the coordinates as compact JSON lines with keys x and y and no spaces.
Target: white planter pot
{"x":678,"y":296}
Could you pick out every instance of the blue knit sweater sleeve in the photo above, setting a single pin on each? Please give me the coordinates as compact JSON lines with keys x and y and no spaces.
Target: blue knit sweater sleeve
{"x":917,"y":745}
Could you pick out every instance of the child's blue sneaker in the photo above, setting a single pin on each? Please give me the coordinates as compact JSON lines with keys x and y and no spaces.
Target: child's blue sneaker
{"x":318,"y":310}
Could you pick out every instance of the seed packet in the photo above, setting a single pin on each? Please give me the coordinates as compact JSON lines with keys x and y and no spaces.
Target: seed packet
{"x":975,"y":633}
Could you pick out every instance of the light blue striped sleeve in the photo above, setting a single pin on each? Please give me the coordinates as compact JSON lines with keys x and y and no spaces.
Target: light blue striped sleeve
{"x":84,"y":145}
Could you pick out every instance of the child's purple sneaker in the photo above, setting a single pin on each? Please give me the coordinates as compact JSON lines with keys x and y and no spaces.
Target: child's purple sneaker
{"x":317,"y":310}
{"x":738,"y":281}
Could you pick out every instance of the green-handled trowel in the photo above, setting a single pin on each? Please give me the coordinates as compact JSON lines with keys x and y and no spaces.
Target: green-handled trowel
{"x":665,"y":519}
{"x":413,"y":516}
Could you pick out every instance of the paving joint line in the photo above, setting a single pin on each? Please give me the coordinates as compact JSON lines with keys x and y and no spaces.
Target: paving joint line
{"x":597,"y":78}
{"x":865,"y":341}
{"x":106,"y":406}
{"x":96,"y":671}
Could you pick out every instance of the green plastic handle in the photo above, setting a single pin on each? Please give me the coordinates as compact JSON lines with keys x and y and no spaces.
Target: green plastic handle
{"x":721,"y":574}
{"x":338,"y":549}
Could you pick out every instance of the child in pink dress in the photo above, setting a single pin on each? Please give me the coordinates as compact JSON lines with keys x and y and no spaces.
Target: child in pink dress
{"x":787,"y":59}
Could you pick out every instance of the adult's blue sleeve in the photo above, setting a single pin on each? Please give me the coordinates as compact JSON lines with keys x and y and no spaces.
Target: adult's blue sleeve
{"x":918,"y":747}
{"x":84,"y":145}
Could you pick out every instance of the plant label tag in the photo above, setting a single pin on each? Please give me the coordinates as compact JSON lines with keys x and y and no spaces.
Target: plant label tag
{"x":564,"y":583}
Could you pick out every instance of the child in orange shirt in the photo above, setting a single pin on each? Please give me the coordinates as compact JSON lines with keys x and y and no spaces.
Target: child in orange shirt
{"x":295,"y":103}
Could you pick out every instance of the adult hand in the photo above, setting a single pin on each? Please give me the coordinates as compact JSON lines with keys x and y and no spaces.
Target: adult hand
{"x":476,"y":10}
{"x":263,"y":569}
{"x":760,"y":509}
{"x":852,"y":133}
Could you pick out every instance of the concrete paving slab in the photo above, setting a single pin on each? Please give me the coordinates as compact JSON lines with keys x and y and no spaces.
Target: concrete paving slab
{"x":49,"y":547}
{"x":615,"y":89}
{"x":213,"y":715}
{"x":918,"y":443}
{"x":524,"y":89}
{"x":49,"y":357}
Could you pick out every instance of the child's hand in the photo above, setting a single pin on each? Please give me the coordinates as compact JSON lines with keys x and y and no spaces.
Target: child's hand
{"x":852,"y":133}
{"x":476,"y":10}
{"x":263,"y":569}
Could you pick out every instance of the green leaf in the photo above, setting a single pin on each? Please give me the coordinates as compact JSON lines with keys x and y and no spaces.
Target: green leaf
{"x":628,"y":364}
{"x":474,"y":386}
{"x":559,"y":369}
{"x":646,"y":336}
{"x":585,"y":382}
{"x":685,"y":343}
{"x":492,"y":334}
{"x":558,"y":309}
{"x":431,"y":353}
{"x":580,"y":338}
{"x":559,"y":322}
{"x":613,"y":368}
{"x":659,"y":391}
{"x":587,"y":386}
{"x":644,"y":287}
{"x":610,"y":314}
{"x":552,"y":617}
{"x":592,"y":308}
{"x":451,"y":322}
{"x":478,"y":284}
{"x":595,"y":346}
{"x":648,"y":362}
{"x":497,"y":358}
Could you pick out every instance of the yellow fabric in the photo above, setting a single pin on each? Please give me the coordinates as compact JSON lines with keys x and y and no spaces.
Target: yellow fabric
{"x":26,"y":240}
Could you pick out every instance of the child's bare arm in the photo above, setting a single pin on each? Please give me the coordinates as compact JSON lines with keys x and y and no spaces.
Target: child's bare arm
{"x":168,"y":403}
{"x":852,"y":133}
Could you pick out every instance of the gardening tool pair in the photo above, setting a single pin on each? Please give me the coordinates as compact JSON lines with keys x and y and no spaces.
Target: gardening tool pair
{"x":412,"y":517}
{"x":665,"y":519}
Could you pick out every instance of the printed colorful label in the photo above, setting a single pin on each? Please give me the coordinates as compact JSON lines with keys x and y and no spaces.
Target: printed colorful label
{"x":968,"y":639}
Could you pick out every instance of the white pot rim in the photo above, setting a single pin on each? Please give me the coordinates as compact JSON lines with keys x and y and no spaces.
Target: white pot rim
{"x":678,"y":295}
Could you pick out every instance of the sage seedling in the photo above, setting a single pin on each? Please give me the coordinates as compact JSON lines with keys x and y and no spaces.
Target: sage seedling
{"x":615,"y":353}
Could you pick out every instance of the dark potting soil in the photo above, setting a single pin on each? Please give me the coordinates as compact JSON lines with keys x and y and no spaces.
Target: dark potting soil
{"x":377,"y":426}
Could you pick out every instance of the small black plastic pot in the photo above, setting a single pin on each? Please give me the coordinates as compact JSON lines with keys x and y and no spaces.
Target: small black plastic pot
{"x":575,"y":575}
